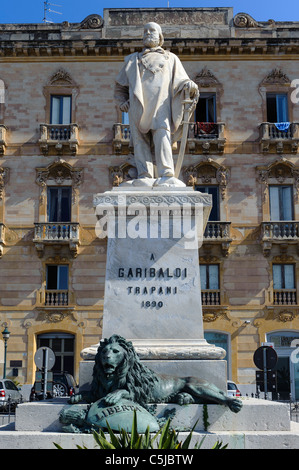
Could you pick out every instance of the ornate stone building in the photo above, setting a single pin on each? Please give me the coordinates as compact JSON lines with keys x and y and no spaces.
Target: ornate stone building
{"x":62,"y":140}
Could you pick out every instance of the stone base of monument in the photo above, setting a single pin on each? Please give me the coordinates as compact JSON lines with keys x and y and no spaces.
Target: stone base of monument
{"x":261,"y":424}
{"x":210,"y":370}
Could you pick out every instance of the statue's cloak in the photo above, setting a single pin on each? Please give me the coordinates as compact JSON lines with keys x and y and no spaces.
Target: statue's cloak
{"x":153,"y":81}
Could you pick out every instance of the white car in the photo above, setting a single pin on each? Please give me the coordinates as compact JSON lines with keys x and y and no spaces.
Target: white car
{"x":9,"y":394}
{"x":232,"y":389}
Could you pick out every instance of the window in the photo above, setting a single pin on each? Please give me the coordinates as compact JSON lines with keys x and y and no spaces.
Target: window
{"x":206,"y":108}
{"x":61,"y":108}
{"x":214,"y":191}
{"x":59,"y":204}
{"x":277,"y":107}
{"x":57,"y":277}
{"x":209,"y":280}
{"x":284,"y":284}
{"x":57,"y":285}
{"x":281,"y":202}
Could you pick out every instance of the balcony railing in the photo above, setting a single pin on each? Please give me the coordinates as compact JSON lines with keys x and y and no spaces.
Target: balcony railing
{"x":206,"y":136}
{"x":56,"y":231}
{"x":218,"y":233}
{"x":279,"y":232}
{"x":60,"y":137}
{"x":2,"y":238}
{"x":284,"y":297}
{"x":210,"y":297}
{"x":47,"y":233}
{"x":282,"y":230}
{"x":279,"y":137}
{"x":56,"y":298}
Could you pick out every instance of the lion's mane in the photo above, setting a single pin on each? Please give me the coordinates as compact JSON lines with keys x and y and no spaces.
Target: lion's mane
{"x":130,"y":375}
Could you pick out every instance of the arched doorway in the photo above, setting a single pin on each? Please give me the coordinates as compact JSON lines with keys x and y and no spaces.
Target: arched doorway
{"x":62,"y":344}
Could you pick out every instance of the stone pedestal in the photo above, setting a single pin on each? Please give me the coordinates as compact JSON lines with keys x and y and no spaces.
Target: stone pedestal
{"x":152,"y":289}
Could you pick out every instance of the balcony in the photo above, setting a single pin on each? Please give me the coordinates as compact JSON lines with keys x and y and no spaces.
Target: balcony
{"x":279,"y":137}
{"x":121,"y":140}
{"x":218,"y":233}
{"x":281,"y":232}
{"x":59,"y":137}
{"x":57,"y":233}
{"x":210,"y":297}
{"x":206,"y":137}
{"x":285,"y":297}
{"x":49,"y":299}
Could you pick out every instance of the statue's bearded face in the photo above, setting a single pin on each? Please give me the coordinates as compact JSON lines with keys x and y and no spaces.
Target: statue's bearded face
{"x":111,"y":357}
{"x":151,"y":36}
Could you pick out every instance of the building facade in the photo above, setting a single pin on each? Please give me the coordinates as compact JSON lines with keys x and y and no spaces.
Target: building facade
{"x":62,"y":140}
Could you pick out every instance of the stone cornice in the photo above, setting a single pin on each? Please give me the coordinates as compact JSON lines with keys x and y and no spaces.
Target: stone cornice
{"x":115,"y":49}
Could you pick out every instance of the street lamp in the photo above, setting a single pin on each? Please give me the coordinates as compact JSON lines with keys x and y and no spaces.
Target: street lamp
{"x":5,"y":334}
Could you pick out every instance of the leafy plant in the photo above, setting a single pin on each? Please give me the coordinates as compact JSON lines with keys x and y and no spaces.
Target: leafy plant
{"x":165,"y":438}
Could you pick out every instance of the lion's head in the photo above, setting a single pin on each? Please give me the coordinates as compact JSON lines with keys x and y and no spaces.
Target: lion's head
{"x":117,"y":366}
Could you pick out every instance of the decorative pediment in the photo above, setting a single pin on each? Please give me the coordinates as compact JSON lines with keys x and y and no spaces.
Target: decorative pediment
{"x":276,"y":77}
{"x":205,"y":79}
{"x":124,"y":172}
{"x":279,"y":170}
{"x":61,"y":78}
{"x":59,"y":172}
{"x":208,"y":172}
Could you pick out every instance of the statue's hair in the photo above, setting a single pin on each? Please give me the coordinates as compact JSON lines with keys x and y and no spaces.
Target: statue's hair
{"x":130,"y":375}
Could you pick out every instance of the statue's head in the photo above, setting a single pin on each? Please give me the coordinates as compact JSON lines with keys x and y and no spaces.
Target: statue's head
{"x":152,"y":36}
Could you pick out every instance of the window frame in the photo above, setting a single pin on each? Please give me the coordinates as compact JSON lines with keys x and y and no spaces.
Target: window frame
{"x":59,"y":204}
{"x":206,"y":96}
{"x":60,"y":98}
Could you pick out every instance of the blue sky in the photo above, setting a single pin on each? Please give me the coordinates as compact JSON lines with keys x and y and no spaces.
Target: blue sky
{"x":74,"y":11}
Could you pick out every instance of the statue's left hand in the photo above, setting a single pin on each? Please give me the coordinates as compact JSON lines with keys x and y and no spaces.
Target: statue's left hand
{"x":191,"y":87}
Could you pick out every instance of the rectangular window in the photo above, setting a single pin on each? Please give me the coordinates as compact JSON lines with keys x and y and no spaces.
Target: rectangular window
{"x":59,"y":204}
{"x":57,"y":277}
{"x":214,"y":191}
{"x":277,"y":107}
{"x":206,"y":108}
{"x":283,"y":276}
{"x":209,"y":280}
{"x":281,"y":202}
{"x":61,"y":109}
{"x":209,"y":276}
{"x":284,"y":285}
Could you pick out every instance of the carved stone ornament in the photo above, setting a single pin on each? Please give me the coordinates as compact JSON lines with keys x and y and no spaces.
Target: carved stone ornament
{"x":243,"y":20}
{"x":61,"y":77}
{"x":276,"y":77}
{"x":208,"y":172}
{"x":59,"y":172}
{"x":124,"y":172}
{"x":278,"y":171}
{"x":93,"y":21}
{"x":4,"y":174}
{"x":205,"y":78}
{"x":285,"y":316}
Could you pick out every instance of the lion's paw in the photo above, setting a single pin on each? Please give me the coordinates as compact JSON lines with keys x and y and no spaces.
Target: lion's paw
{"x":184,"y":399}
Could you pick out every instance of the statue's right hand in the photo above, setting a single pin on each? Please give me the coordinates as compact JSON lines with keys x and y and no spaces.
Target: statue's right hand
{"x":124,"y":107}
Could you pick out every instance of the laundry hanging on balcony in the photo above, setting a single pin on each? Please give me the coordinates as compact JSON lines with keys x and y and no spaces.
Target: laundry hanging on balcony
{"x":282,"y":126}
{"x":203,"y":128}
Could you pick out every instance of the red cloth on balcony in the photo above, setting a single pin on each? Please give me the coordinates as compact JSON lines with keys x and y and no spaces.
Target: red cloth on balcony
{"x":205,"y":128}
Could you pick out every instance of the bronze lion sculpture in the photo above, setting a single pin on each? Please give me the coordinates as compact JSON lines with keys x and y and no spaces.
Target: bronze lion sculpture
{"x":118,"y":374}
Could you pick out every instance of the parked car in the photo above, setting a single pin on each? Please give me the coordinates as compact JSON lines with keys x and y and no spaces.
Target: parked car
{"x":63,"y":385}
{"x":10,"y":394}
{"x":232,"y":389}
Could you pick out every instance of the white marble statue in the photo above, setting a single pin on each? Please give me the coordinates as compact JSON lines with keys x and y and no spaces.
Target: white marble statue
{"x":151,"y":87}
